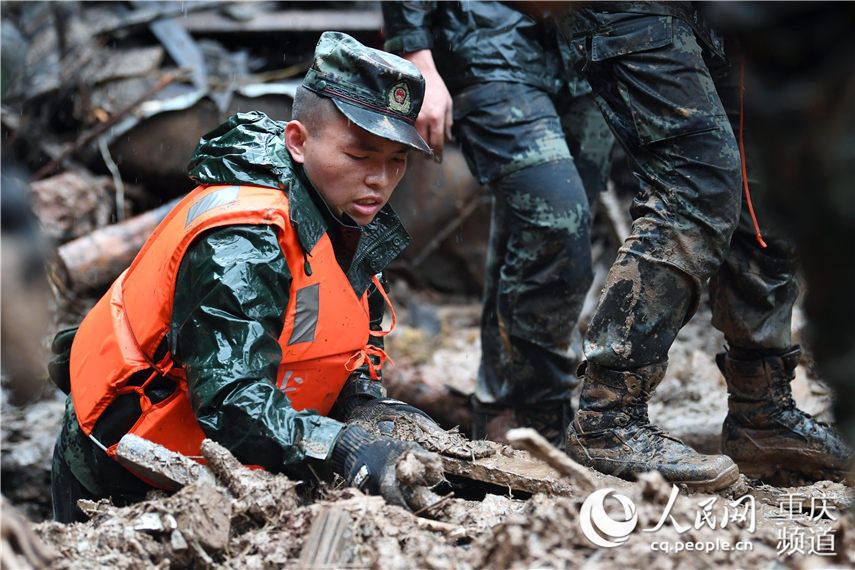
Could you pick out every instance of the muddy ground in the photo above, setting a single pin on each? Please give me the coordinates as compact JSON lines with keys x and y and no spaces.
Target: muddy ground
{"x":268,"y":521}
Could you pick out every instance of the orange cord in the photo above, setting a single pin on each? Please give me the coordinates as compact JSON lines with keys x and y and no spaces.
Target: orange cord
{"x":363,"y":355}
{"x":391,"y":308}
{"x":742,"y":156}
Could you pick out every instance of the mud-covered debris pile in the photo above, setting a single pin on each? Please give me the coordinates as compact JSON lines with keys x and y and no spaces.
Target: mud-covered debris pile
{"x":246,"y":518}
{"x":255,"y":519}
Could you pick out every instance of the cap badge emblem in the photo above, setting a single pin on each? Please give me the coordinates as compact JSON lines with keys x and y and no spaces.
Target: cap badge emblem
{"x":399,"y":98}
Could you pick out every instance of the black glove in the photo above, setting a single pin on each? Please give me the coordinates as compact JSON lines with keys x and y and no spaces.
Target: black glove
{"x":374,"y":410}
{"x":397,"y":419}
{"x":400,"y":471}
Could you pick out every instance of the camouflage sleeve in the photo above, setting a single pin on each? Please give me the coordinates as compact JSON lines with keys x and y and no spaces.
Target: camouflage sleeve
{"x":228,"y":313}
{"x":408,"y":26}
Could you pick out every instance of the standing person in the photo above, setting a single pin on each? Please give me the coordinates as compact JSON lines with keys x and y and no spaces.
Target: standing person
{"x":666,"y":89}
{"x":251,"y":316}
{"x":799,"y":102}
{"x":530,"y":131}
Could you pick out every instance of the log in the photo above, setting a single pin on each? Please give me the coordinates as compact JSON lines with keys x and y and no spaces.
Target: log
{"x":329,"y":543}
{"x":92,"y":261}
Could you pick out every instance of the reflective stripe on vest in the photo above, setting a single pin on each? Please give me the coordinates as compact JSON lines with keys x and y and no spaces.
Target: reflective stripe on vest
{"x":326,"y":324}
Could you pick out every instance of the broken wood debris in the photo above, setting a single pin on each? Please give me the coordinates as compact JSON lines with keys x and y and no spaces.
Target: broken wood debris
{"x":453,"y":530}
{"x":20,"y":547}
{"x":96,"y":259}
{"x":329,"y":543}
{"x":262,"y":494}
{"x":286,"y":21}
{"x":90,"y":135}
{"x":160,"y":465}
{"x":512,"y":469}
{"x":529,"y":440}
{"x":145,"y":16}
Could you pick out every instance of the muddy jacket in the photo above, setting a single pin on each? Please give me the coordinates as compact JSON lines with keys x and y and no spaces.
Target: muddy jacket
{"x":477,"y":42}
{"x":232,"y":293}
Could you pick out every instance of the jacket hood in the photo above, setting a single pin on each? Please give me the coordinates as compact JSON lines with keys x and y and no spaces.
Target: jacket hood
{"x":248,"y":148}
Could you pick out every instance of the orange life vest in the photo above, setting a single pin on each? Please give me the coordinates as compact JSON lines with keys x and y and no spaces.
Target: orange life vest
{"x":324,"y":337}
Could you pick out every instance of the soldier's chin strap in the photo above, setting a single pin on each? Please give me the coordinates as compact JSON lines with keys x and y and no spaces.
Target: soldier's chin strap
{"x":742,"y":155}
{"x":364,"y":354}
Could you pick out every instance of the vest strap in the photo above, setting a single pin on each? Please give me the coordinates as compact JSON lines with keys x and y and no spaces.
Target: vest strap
{"x":363,"y":356}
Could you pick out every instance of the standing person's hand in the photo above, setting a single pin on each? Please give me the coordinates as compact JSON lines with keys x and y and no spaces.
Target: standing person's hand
{"x":435,"y":119}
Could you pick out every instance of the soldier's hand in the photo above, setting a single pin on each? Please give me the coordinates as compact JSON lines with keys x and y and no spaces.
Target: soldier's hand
{"x":435,"y":118}
{"x":400,"y":420}
{"x":401,"y":472}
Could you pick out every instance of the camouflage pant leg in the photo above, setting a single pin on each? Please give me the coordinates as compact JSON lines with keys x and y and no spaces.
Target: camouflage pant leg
{"x":64,"y":486}
{"x":538,"y":266}
{"x":754,"y":290}
{"x":80,"y":470}
{"x":656,"y":92}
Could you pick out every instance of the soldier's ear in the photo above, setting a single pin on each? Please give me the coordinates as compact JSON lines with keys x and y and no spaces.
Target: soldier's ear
{"x":296,"y":135}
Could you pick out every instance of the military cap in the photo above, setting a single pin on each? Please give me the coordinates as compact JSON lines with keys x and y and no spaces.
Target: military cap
{"x":378,"y":91}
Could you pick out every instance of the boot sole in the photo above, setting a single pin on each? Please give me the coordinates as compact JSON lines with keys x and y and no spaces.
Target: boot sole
{"x":722,"y":480}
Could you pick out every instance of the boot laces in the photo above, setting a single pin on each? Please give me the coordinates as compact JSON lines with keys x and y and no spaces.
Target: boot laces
{"x":799,"y":418}
{"x":639,"y":416}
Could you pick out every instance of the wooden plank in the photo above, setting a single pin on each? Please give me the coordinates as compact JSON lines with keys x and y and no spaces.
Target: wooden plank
{"x":329,"y":543}
{"x":286,"y":21}
{"x":531,"y":441}
{"x":514,"y":469}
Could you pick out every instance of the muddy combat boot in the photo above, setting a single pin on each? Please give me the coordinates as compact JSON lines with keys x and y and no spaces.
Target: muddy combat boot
{"x":550,"y":420}
{"x":764,"y":431}
{"x":612,"y":433}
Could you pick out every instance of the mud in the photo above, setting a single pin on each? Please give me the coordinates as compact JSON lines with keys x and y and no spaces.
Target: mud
{"x":218,"y":525}
{"x":254,"y":519}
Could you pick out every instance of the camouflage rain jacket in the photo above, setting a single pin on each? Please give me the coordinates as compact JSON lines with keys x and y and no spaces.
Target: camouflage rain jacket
{"x":230,"y":300}
{"x":477,"y":42}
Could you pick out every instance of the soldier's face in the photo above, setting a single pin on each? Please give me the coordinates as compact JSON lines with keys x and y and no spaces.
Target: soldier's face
{"x":354,"y":170}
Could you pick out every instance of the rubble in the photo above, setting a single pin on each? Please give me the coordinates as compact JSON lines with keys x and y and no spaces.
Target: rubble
{"x":254,"y":519}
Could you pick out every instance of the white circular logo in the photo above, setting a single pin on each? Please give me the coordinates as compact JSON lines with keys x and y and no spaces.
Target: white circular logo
{"x":599,"y":527}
